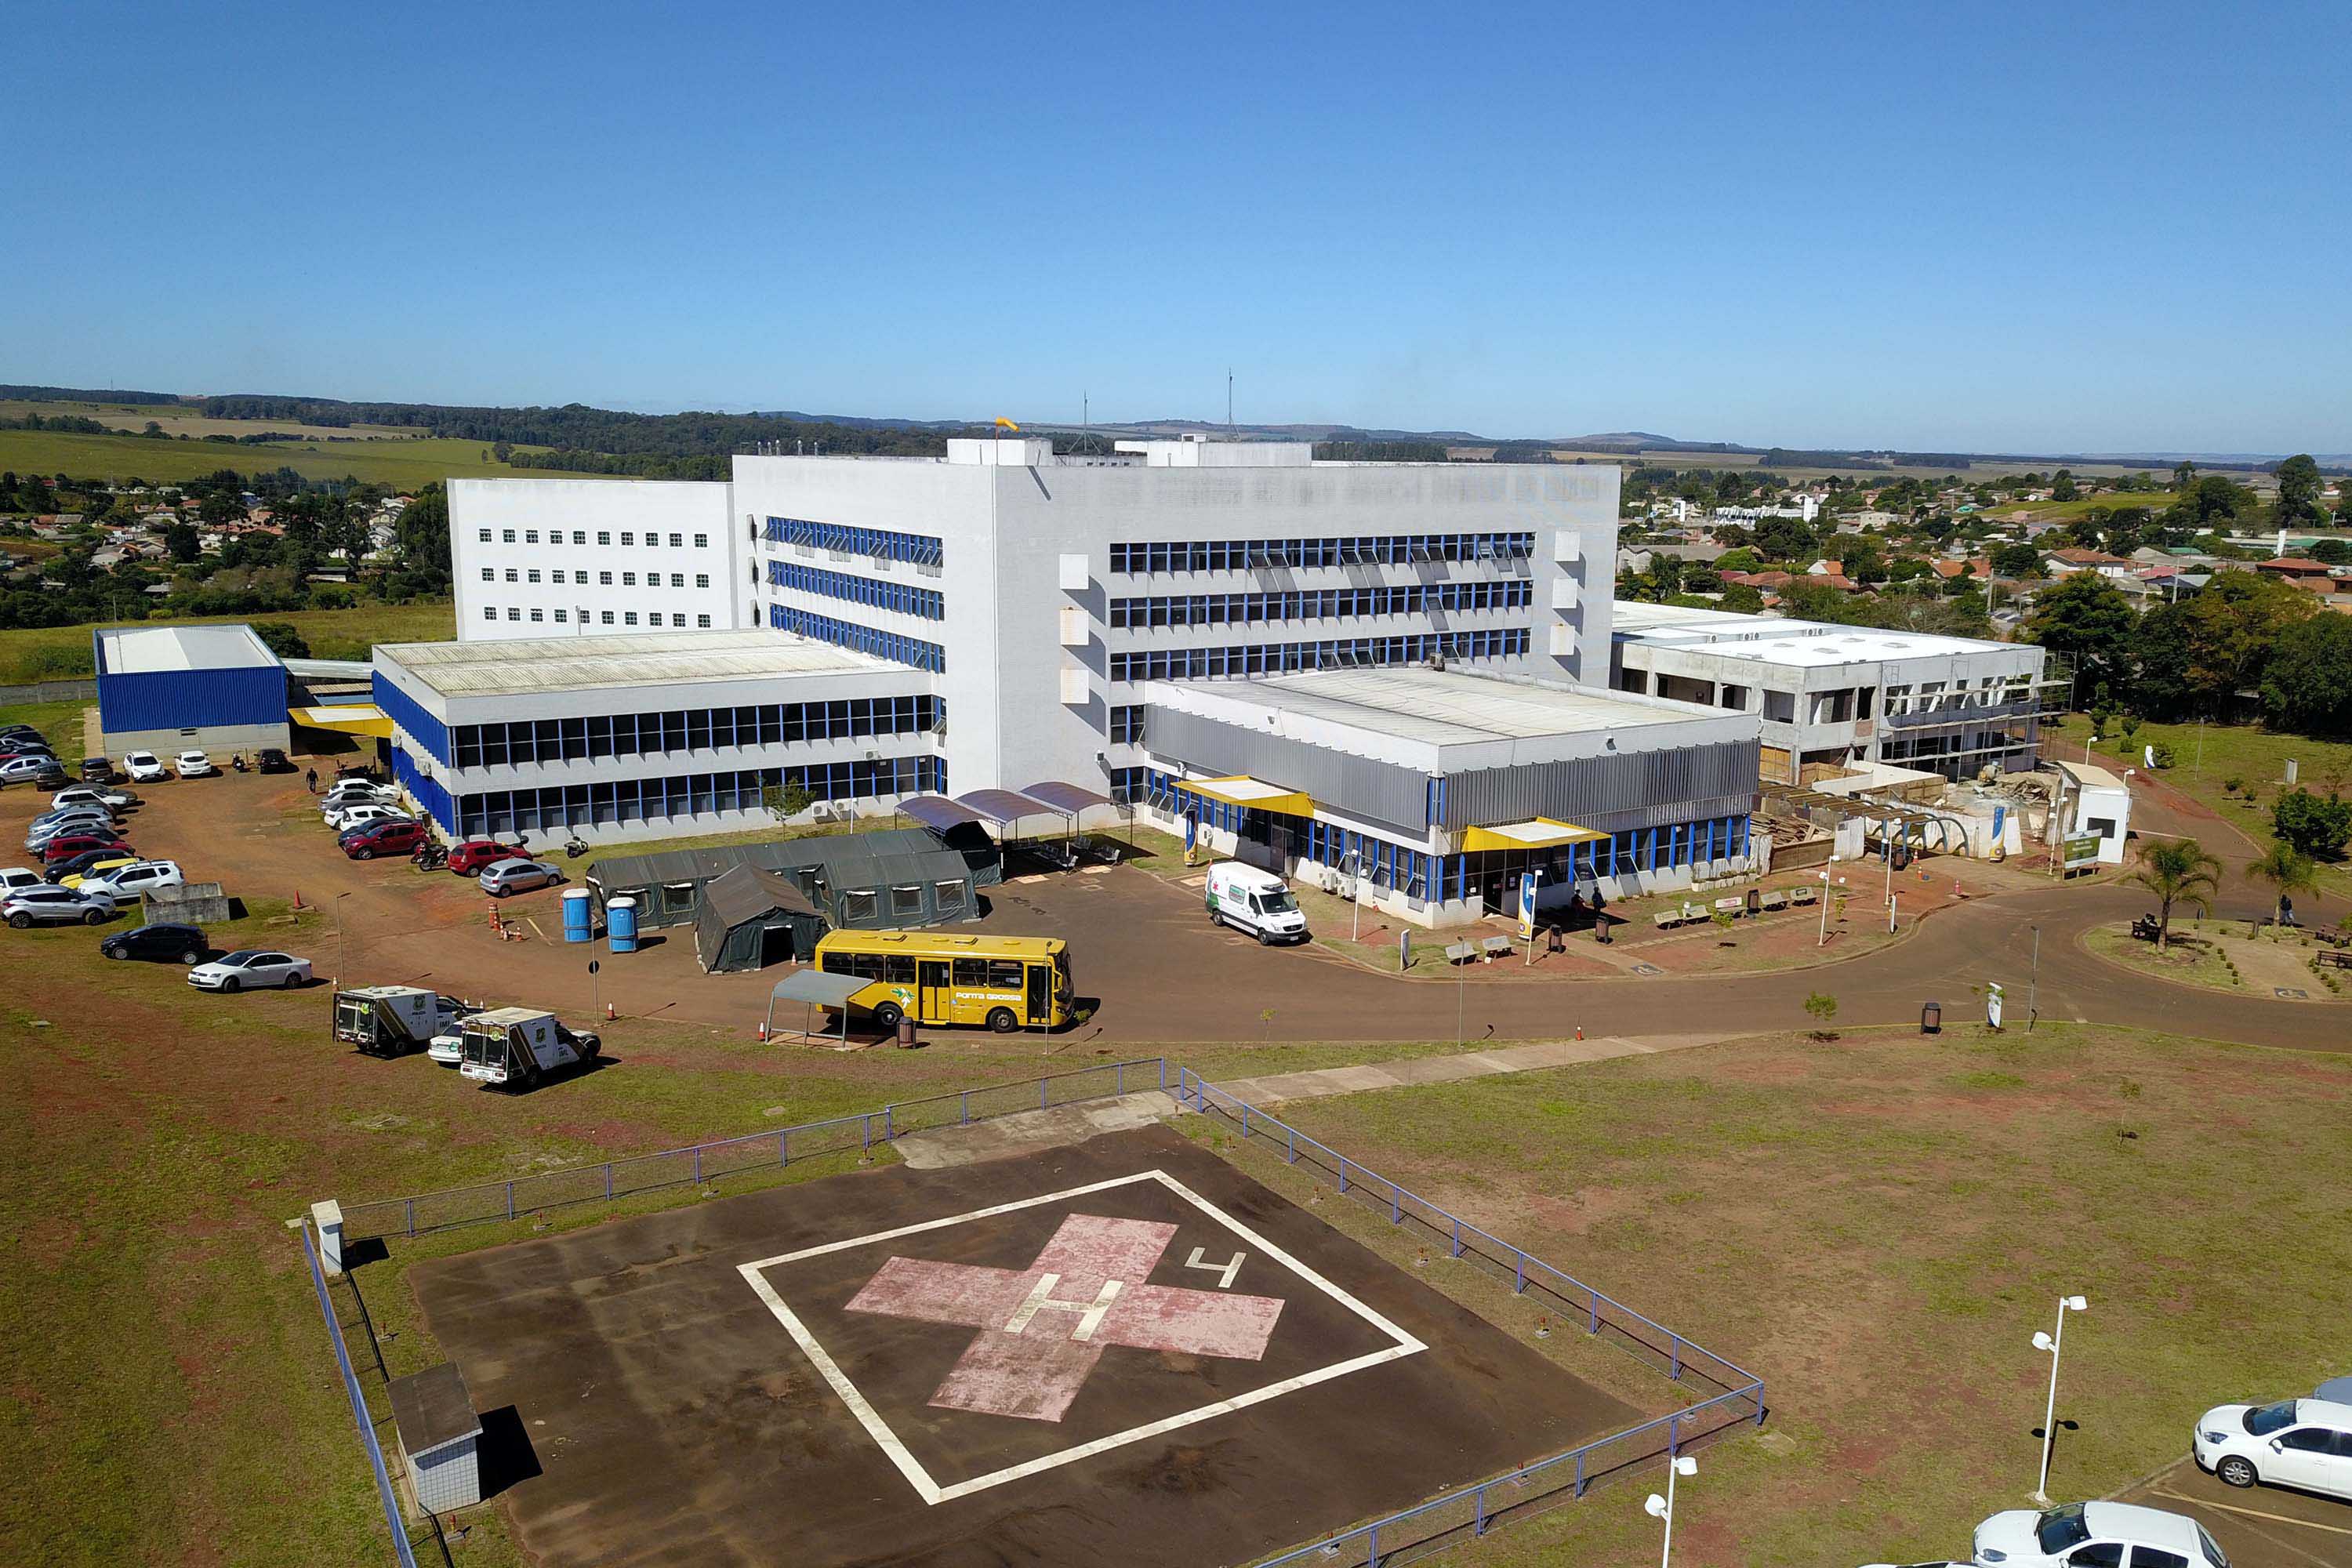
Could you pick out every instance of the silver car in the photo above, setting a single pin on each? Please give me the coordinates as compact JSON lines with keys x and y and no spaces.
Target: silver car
{"x":518,"y":877}
{"x":56,"y":906}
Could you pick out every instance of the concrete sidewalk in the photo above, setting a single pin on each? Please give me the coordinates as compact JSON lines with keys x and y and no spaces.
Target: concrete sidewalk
{"x":1275,"y":1087}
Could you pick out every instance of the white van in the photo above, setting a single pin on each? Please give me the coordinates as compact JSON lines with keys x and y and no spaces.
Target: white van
{"x":1256,"y":901}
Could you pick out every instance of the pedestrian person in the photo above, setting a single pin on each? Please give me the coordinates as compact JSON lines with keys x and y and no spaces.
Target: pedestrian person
{"x":311,"y":781}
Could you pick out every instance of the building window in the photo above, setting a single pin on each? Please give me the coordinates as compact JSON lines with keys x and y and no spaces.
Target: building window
{"x":628,"y":579}
{"x":513,"y":614}
{"x":510,"y":573}
{"x":702,"y":578}
{"x":628,"y":538}
{"x":533,"y":574}
{"x":482,"y":536}
{"x":703,"y":621}
{"x":603,"y":537}
{"x":889,"y":645}
{"x":676,"y":541}
{"x":1127,"y":724}
{"x":488,"y":575}
{"x":530,"y":536}
{"x":876,"y":592}
{"x":629,"y":617}
{"x":922,"y":549}
{"x":702,"y":541}
{"x":604,"y":578}
{"x":677,"y":579}
{"x":606,"y":618}
{"x":507,"y":534}
{"x":579,"y":536}
{"x":536,"y":615}
{"x":490,"y":612}
{"x":559,"y":617}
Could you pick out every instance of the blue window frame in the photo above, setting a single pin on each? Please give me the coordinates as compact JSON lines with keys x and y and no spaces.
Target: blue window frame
{"x":878,"y":592}
{"x":922,"y":549}
{"x":893,"y":645}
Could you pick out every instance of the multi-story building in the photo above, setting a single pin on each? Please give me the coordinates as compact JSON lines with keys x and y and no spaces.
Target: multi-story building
{"x":1830,"y":696}
{"x":558,"y":558}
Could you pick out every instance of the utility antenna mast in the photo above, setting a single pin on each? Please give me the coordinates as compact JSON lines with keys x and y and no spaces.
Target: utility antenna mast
{"x":1229,"y":400}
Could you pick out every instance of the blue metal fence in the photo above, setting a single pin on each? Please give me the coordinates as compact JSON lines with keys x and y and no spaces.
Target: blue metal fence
{"x":366,"y":1422}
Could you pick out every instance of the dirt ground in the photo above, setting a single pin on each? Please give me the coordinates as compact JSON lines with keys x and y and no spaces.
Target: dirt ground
{"x":803,"y":1365}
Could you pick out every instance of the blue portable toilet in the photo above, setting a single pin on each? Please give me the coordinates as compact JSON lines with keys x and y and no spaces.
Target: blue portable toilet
{"x":621,"y":924}
{"x":579,"y":920}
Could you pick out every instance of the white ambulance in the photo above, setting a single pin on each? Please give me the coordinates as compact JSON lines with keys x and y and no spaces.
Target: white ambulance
{"x":1257,"y":902}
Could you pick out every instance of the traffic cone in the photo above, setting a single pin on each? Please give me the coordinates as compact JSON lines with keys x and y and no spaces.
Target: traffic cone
{"x":1580,"y":1031}
{"x":609,"y":1015}
{"x":761,"y":1032}
{"x":298,"y":900}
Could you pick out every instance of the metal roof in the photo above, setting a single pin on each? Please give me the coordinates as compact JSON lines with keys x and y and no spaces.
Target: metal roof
{"x":819,"y":988}
{"x":1065,"y":797}
{"x":154,"y":650}
{"x":1002,"y":806}
{"x":583,"y":663}
{"x":938,"y":812}
{"x":876,"y":860}
{"x":1438,"y":706}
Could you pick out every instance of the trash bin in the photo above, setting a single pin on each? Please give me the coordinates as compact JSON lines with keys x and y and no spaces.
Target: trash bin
{"x":905,"y":1033}
{"x":1931,"y":1018}
{"x":1755,"y":901}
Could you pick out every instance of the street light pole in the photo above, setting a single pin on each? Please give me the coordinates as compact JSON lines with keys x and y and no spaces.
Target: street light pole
{"x":2033,"y":985}
{"x":1663,"y":1508}
{"x":2053,"y":1344}
{"x":1825,"y":904}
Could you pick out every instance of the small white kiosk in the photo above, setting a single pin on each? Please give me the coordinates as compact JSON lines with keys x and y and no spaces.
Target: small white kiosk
{"x":440,"y":1437}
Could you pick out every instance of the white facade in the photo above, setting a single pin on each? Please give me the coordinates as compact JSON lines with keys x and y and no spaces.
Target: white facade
{"x":1832,"y":696}
{"x":1043,"y":591}
{"x":564,"y":557}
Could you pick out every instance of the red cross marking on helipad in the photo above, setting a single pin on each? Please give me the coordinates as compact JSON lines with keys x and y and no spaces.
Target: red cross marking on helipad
{"x":1042,"y":1328}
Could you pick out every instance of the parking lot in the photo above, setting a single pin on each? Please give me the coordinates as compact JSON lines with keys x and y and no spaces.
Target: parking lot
{"x":2260,"y":1527}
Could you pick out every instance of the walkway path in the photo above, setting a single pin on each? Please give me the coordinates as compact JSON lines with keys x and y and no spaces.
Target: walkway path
{"x":1275,"y":1087}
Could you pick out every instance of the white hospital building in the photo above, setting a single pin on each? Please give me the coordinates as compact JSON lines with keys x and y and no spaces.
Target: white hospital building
{"x":1398,"y":670}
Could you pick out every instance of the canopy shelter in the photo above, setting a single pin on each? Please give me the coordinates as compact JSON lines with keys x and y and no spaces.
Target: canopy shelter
{"x":751,"y":918}
{"x":345,"y":718}
{"x":1251,"y":794}
{"x":817,"y":989}
{"x":1002,"y":809}
{"x":937,"y":812}
{"x":1071,"y":800}
{"x":960,"y":828}
{"x":1536,"y":832}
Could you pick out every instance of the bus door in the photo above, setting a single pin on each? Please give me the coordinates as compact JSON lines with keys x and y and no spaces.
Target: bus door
{"x":937,"y":995}
{"x":1040,"y":996}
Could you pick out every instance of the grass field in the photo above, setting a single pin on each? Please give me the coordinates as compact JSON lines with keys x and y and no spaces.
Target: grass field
{"x":186,"y":420}
{"x":52,"y":653}
{"x":1877,"y":1226}
{"x":2208,"y":756}
{"x":402,"y":463}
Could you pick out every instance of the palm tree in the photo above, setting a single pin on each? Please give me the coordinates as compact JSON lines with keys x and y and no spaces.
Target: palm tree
{"x":2288,"y":870}
{"x":2177,"y":871}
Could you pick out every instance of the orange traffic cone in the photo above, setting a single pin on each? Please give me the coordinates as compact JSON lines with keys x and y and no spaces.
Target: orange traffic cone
{"x":609,"y":1015}
{"x":298,"y":900}
{"x":1580,"y":1031}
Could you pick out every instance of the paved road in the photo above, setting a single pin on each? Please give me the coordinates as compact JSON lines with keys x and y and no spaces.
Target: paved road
{"x":2263,"y":1527}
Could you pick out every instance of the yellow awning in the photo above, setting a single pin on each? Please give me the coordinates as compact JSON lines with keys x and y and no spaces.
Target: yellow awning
{"x":349,"y":717}
{"x":1252,"y":795}
{"x":1536,"y":832}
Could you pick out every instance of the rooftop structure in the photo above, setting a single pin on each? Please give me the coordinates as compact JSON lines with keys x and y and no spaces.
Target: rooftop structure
{"x":540,"y":665}
{"x":170,"y":688}
{"x":149,"y":650}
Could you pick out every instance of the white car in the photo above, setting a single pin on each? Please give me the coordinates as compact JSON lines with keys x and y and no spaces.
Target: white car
{"x":2304,"y":1443}
{"x":145,"y":767}
{"x":56,"y":906}
{"x":250,"y":966}
{"x":16,"y":876}
{"x":135,"y":880}
{"x":195,"y":765}
{"x":2094,"y":1535}
{"x":106,"y":797}
{"x":343,"y":818}
{"x":447,"y":1050}
{"x":358,"y":791}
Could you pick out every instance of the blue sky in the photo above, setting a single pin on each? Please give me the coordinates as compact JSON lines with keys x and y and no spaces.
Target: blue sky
{"x":1974,"y":226}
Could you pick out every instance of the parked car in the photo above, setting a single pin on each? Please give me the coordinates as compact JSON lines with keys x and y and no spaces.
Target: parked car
{"x":16,"y":876}
{"x":66,"y":845}
{"x":25,"y":769}
{"x":58,"y":819}
{"x":376,"y":838}
{"x":251,"y":966}
{"x":2082,"y":1534}
{"x":19,"y":733}
{"x":62,"y":873}
{"x":195,"y":765}
{"x":56,"y":906}
{"x":29,"y":746}
{"x":136,"y":881}
{"x":169,"y":943}
{"x":53,"y":777}
{"x":2304,"y":1443}
{"x":104,"y":796}
{"x":145,"y":767}
{"x":99,"y":770}
{"x":518,"y":877}
{"x":467,"y":858}
{"x":273,"y":760}
{"x":357,"y":793}
{"x":342,"y":819}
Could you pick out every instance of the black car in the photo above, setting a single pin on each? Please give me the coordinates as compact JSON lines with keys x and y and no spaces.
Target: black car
{"x":51,"y":779}
{"x":174,"y":944}
{"x":79,"y":865}
{"x":273,"y":760}
{"x":100,"y":770}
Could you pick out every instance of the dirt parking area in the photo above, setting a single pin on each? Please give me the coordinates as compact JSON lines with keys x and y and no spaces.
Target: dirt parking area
{"x":2260,"y":1527}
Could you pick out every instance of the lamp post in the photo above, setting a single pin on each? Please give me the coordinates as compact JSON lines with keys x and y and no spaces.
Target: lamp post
{"x":2053,"y":1344}
{"x":2088,"y":741}
{"x":1663,"y":1508}
{"x":1354,"y":860}
{"x":1825,"y":903}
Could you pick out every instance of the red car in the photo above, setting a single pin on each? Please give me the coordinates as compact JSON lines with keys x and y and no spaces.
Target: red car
{"x":384,"y":838}
{"x":466,"y":860}
{"x":65,"y":846}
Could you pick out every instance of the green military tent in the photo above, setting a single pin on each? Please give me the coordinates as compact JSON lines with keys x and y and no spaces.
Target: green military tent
{"x":750,"y":918}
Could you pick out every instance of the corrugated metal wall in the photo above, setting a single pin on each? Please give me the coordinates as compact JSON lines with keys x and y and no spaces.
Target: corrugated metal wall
{"x":1612,"y":792}
{"x":404,"y":711}
{"x":1378,"y":792}
{"x":190,"y":699}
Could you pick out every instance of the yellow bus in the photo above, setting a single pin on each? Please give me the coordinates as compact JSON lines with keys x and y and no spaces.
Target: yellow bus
{"x":1006,"y":982}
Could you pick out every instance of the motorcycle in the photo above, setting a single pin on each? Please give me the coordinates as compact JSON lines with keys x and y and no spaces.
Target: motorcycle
{"x":575,"y":847}
{"x":238,"y":762}
{"x":430,"y":855}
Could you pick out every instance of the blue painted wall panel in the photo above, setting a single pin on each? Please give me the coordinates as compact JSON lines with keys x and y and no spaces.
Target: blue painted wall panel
{"x":187,"y":699}
{"x":404,"y":711}
{"x":427,"y":791}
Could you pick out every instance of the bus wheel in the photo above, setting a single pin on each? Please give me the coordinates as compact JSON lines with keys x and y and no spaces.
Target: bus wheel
{"x":1002,"y":1020}
{"x":887,"y":1015}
